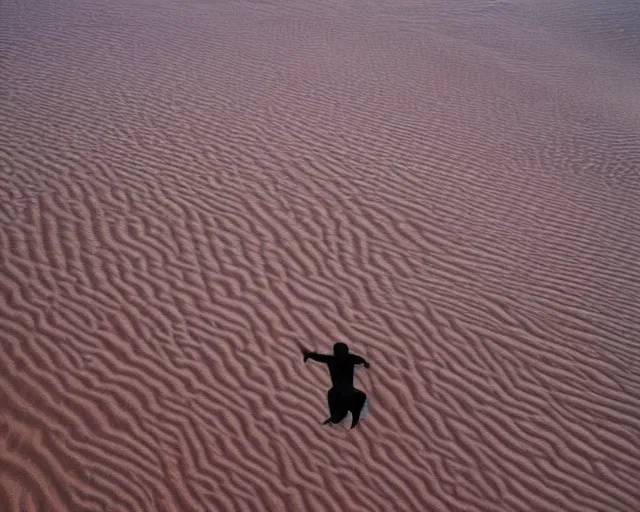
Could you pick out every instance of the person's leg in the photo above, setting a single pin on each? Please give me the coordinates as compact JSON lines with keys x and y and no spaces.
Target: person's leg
{"x":357,"y":403}
{"x":337,"y":407}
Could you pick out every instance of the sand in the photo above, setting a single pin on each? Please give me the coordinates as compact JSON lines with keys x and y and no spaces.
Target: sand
{"x":191,"y":191}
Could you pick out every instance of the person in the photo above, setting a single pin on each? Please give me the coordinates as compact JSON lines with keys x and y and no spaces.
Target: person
{"x":343,"y":397}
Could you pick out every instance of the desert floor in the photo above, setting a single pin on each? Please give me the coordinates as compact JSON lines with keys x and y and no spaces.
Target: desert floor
{"x":193,"y":191}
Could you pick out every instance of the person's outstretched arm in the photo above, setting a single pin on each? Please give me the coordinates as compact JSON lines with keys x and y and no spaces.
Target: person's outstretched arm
{"x":360,"y":360}
{"x":323,"y":358}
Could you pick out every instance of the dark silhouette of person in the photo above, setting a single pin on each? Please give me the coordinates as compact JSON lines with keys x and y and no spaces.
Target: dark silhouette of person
{"x":343,"y":397}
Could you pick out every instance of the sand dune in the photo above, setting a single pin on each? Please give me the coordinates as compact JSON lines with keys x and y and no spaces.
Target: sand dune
{"x":189,"y":191}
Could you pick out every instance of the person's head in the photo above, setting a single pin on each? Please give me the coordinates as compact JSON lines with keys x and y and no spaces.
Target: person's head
{"x":340,"y":349}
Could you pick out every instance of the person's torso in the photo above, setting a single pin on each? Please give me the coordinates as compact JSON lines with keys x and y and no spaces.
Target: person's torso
{"x":341,"y":370}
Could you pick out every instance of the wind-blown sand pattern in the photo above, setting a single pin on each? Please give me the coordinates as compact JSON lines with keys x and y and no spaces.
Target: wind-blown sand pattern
{"x":190,"y":191}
